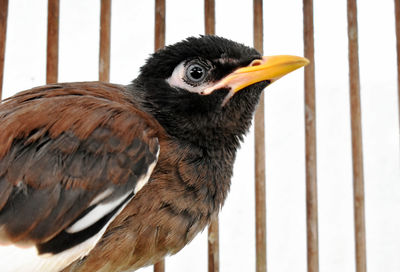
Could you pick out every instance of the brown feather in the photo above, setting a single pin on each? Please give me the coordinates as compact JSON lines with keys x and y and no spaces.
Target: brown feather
{"x":62,"y":145}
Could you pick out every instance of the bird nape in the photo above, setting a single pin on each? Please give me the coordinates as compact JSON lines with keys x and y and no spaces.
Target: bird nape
{"x":104,"y":177}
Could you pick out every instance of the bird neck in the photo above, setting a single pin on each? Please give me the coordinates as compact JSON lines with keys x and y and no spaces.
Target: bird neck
{"x":204,"y":175}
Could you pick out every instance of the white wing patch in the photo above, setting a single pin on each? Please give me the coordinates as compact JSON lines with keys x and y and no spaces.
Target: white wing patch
{"x":143,"y":181}
{"x":101,"y":196}
{"x":96,"y":214}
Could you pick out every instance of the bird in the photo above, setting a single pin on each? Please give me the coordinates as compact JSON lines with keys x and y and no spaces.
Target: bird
{"x":104,"y":177}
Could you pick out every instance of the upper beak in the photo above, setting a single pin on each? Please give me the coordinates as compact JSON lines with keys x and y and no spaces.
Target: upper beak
{"x":267,"y":68}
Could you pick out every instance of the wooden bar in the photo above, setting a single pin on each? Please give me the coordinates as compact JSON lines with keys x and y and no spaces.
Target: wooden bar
{"x":53,"y":16}
{"x":213,"y":245}
{"x":209,"y":16}
{"x":105,"y":33}
{"x":160,"y":266}
{"x":213,"y":229}
{"x":3,"y":32}
{"x":259,"y":142}
{"x":310,"y":139}
{"x":159,"y":38}
{"x":159,"y":42}
{"x":356,"y":138}
{"x":397,"y":23}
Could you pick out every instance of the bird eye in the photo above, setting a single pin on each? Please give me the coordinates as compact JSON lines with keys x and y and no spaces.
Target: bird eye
{"x":195,"y":73}
{"x":191,"y":75}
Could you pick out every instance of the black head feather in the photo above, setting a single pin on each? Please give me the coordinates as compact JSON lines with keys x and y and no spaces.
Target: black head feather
{"x":162,"y":63}
{"x":191,"y":117}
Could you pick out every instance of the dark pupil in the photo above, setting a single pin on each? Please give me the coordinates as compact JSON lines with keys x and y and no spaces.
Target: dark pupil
{"x":196,"y":72}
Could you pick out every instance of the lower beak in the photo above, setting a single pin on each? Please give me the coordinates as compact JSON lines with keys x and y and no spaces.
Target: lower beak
{"x":267,"y":68}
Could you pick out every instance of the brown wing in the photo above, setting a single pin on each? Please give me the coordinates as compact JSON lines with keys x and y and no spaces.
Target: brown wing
{"x":65,"y":150}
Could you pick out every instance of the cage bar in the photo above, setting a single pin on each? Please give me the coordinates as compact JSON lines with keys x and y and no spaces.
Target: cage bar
{"x":53,"y":16}
{"x":159,"y":42}
{"x":356,"y":138}
{"x":159,"y":37}
{"x":397,"y":24}
{"x":209,"y":16}
{"x":213,"y":246}
{"x":3,"y":32}
{"x":213,"y":229}
{"x":159,"y":266}
{"x":259,"y":142}
{"x":105,"y":32}
{"x":310,"y":139}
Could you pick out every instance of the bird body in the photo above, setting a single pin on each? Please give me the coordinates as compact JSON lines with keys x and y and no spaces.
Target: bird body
{"x":104,"y":177}
{"x":92,"y":168}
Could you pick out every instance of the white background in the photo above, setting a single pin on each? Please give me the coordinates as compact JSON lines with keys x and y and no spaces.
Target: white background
{"x":132,"y":41}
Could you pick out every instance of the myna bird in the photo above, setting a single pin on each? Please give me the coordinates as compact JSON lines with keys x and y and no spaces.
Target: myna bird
{"x":104,"y":177}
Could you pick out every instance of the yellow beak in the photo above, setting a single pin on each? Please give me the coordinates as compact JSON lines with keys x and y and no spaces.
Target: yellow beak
{"x":268,"y":68}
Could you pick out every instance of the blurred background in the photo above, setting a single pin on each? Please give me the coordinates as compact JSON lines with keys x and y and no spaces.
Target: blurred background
{"x":132,"y":40}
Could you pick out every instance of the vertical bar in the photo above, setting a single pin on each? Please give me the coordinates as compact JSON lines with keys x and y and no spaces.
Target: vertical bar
{"x":3,"y":31}
{"x":105,"y":31}
{"x":259,"y":139}
{"x":52,"y":41}
{"x":213,"y":245}
{"x":213,"y":229}
{"x":159,"y":38}
{"x":310,"y":138}
{"x":356,"y":138}
{"x":397,"y":22}
{"x":159,"y":42}
{"x":209,"y":14}
{"x":160,"y":266}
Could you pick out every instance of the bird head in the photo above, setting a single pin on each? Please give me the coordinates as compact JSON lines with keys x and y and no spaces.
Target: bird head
{"x":206,"y":88}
